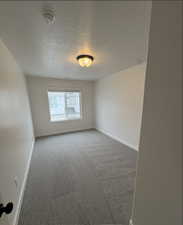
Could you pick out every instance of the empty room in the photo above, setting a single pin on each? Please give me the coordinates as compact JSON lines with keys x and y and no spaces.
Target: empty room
{"x":91,"y":112}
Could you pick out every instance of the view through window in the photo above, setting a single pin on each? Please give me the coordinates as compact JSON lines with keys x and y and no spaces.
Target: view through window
{"x":64,"y":105}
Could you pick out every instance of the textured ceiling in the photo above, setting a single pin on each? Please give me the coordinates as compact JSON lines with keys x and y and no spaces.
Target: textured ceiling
{"x":114,"y":32}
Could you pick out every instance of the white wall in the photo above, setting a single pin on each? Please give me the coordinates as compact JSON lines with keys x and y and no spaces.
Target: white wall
{"x":119,"y":100}
{"x":16,"y":133}
{"x":158,"y":198}
{"x":38,"y":88}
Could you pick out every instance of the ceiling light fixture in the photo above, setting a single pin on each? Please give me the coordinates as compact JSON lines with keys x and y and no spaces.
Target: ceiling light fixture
{"x":49,"y":15}
{"x":85,"y":60}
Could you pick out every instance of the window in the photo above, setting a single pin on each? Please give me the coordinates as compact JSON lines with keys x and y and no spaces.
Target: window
{"x":64,"y":105}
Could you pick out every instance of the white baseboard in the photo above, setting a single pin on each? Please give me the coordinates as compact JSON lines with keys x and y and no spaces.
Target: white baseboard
{"x":118,"y":139}
{"x":63,"y":132}
{"x":15,"y":222}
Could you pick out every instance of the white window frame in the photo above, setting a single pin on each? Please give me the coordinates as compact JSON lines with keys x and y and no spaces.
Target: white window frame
{"x":70,"y":119}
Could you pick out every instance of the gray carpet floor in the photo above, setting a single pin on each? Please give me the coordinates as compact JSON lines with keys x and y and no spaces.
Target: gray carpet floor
{"x":83,"y":178}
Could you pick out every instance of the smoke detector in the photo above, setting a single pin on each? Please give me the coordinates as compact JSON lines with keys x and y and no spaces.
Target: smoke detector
{"x":49,"y":15}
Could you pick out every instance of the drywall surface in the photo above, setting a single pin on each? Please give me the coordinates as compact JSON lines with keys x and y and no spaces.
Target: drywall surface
{"x":158,"y":198}
{"x":16,"y":133}
{"x":119,"y":100}
{"x":38,"y":88}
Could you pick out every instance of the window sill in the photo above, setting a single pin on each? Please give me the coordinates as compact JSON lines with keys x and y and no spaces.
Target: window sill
{"x":65,"y":120}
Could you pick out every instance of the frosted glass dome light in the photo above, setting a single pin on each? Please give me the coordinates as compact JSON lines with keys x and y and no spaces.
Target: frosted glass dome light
{"x":85,"y":60}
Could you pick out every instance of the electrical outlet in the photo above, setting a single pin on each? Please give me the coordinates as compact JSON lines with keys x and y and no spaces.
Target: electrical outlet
{"x":130,"y":222}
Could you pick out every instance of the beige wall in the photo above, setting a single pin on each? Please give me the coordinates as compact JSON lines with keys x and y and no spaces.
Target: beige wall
{"x":16,"y":133}
{"x":38,"y":88}
{"x":119,"y":100}
{"x":158,"y":198}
